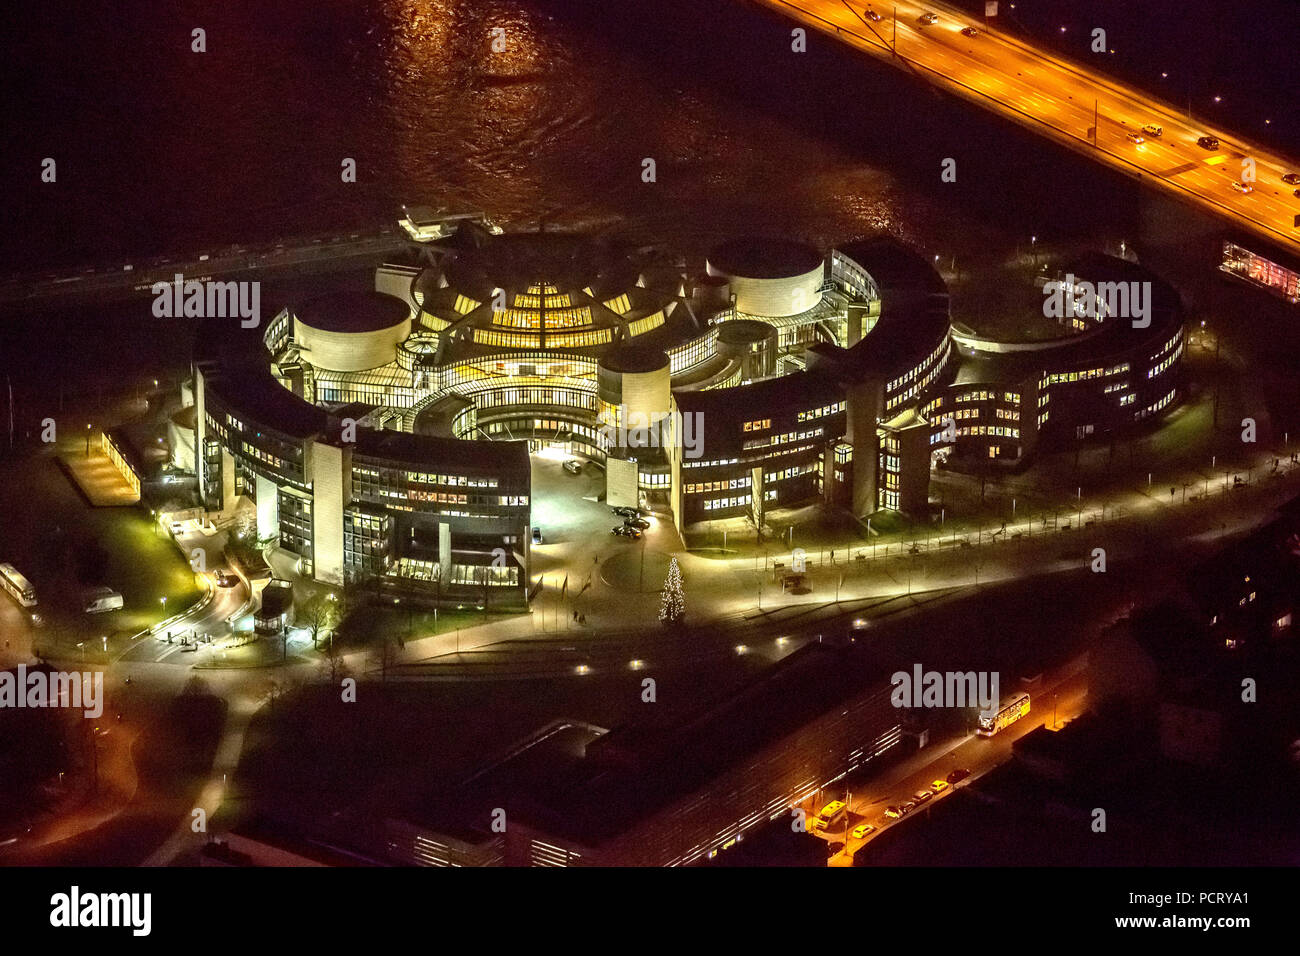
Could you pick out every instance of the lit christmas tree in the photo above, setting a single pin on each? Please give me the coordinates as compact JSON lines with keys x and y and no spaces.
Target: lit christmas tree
{"x":672,"y":606}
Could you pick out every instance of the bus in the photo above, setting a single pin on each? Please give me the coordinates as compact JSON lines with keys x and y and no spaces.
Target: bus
{"x":1009,"y":714}
{"x":829,"y":814}
{"x":19,"y":588}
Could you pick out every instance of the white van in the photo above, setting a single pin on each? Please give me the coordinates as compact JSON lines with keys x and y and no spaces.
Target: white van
{"x":102,"y":599}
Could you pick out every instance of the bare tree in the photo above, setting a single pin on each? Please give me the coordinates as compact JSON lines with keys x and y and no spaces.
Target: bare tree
{"x":320,"y":615}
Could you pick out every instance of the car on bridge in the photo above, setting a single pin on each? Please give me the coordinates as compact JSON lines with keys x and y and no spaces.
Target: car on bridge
{"x":927,"y":18}
{"x":969,"y":32}
{"x":872,"y":15}
{"x":1208,"y":142}
{"x":1136,"y":138}
{"x":1151,"y":129}
{"x":1291,"y":179}
{"x":1243,"y":187}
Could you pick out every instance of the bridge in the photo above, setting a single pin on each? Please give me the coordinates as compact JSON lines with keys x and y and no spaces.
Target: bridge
{"x":301,"y":254}
{"x":1070,"y":104}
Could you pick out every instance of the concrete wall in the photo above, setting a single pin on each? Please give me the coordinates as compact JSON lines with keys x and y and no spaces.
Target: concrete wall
{"x":330,"y":469}
{"x":350,"y":351}
{"x":863,"y":408}
{"x":788,"y":295}
{"x":268,"y":506}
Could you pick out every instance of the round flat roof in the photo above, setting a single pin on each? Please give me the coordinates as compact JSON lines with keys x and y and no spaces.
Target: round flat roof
{"x":634,"y":358}
{"x":745,"y":330}
{"x":757,"y":258}
{"x":352,"y":312}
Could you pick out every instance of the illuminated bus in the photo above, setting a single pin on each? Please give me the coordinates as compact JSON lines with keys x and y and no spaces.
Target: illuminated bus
{"x":829,"y":814}
{"x":1009,"y":714}
{"x":18,"y":586}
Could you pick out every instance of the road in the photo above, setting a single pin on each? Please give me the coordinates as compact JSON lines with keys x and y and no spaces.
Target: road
{"x":211,"y":618}
{"x":238,"y":262}
{"x":1062,"y":697}
{"x":1064,"y":101}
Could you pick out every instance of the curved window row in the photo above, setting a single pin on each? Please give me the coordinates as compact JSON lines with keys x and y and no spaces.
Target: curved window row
{"x":642,"y":326}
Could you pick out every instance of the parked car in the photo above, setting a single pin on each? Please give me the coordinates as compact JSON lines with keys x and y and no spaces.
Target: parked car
{"x":624,"y":512}
{"x":626,"y":531}
{"x":939,"y":786}
{"x":893,"y":812}
{"x":862,"y":830}
{"x":922,"y":795}
{"x":958,"y":775}
{"x":639,"y":523}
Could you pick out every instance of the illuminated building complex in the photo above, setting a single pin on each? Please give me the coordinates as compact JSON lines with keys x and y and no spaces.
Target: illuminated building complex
{"x":387,"y":433}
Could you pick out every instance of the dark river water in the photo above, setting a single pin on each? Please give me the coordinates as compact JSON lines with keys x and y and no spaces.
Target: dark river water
{"x":164,"y":150}
{"x":161,"y":150}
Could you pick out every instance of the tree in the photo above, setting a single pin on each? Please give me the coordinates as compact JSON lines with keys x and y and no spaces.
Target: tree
{"x":320,"y":615}
{"x":334,"y":661}
{"x":672,"y":605}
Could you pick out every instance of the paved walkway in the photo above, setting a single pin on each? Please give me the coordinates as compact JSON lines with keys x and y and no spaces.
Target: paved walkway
{"x":98,"y":478}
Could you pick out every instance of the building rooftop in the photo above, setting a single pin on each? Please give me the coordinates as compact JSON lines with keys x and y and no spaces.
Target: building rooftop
{"x":764,"y":258}
{"x":642,"y":767}
{"x":352,"y":312}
